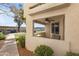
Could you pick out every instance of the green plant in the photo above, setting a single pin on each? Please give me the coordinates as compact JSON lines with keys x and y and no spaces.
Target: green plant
{"x":72,"y":54}
{"x":17,"y":37}
{"x":43,"y":50}
{"x":2,"y":36}
{"x":21,"y":39}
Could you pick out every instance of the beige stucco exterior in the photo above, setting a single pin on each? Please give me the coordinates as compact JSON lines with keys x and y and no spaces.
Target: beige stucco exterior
{"x":71,"y":30}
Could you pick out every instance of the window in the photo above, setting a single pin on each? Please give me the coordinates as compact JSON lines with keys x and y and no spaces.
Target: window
{"x":55,"y":28}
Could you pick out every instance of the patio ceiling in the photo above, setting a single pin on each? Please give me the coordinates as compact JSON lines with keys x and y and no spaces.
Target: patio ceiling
{"x":47,"y":20}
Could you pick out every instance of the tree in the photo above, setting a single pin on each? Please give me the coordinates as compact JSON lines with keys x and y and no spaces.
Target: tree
{"x":18,"y":13}
{"x":19,"y":22}
{"x":19,"y":17}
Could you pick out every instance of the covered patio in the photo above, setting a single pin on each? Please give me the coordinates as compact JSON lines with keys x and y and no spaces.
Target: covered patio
{"x":54,"y":27}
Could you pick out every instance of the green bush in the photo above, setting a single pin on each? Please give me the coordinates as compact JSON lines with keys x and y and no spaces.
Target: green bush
{"x":43,"y":50}
{"x":17,"y":37}
{"x":2,"y":36}
{"x":72,"y":54}
{"x":21,"y":40}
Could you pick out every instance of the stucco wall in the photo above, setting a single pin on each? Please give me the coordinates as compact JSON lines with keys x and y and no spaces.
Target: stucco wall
{"x":71,"y":27}
{"x":59,"y":47}
{"x":47,"y":30}
{"x":71,"y":31}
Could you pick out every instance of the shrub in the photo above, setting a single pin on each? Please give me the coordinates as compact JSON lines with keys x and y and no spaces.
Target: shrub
{"x":2,"y":36}
{"x":43,"y":50}
{"x":72,"y":54}
{"x":21,"y":40}
{"x":17,"y":37}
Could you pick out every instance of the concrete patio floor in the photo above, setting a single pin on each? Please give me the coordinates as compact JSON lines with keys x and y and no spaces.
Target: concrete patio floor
{"x":10,"y":46}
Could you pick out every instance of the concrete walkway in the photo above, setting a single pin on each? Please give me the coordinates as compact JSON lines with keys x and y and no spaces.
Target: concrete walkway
{"x":10,"y":47}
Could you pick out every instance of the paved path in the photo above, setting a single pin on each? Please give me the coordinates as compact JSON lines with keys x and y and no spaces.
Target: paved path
{"x":10,"y":47}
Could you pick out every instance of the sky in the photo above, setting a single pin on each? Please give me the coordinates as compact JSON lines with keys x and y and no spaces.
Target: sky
{"x":38,"y":25}
{"x":8,"y":20}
